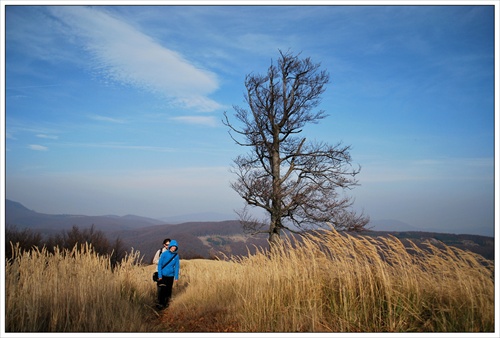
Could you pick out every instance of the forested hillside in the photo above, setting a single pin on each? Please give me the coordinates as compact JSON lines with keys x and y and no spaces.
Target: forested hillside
{"x":196,"y":239}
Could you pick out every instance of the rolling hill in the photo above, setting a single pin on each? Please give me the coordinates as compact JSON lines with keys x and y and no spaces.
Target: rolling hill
{"x":196,"y":239}
{"x":202,"y":239}
{"x":17,"y":214}
{"x":199,"y":239}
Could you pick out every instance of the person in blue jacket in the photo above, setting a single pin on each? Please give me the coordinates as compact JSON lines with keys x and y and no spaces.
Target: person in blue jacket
{"x":168,"y":272}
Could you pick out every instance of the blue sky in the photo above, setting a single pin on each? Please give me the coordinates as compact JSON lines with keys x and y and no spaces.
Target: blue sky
{"x":117,"y":109}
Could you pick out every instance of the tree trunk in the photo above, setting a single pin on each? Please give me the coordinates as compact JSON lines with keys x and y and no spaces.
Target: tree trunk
{"x":274,"y":238}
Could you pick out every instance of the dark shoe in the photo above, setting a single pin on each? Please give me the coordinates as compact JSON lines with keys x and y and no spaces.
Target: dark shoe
{"x":159,"y":307}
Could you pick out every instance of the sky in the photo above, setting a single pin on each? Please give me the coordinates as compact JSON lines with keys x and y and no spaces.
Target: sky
{"x":117,"y":109}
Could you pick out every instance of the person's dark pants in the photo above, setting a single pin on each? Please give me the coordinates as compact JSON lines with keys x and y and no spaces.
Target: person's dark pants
{"x":164,"y":287}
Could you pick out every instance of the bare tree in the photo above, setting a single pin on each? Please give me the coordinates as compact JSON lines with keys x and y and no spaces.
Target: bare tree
{"x":300,"y":184}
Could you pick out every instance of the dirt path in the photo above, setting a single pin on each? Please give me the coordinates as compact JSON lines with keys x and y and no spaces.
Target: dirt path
{"x":185,"y":320}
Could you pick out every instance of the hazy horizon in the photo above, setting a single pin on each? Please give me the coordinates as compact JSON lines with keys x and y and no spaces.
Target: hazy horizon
{"x":374,"y":224}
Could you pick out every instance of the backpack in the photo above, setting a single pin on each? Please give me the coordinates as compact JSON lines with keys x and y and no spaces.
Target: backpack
{"x":158,"y":253}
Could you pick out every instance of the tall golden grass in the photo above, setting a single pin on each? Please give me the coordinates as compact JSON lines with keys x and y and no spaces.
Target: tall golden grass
{"x":330,"y":282}
{"x":76,"y":291}
{"x":326,"y":282}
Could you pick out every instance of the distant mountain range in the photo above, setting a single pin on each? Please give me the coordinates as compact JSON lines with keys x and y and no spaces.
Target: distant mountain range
{"x":205,"y":235}
{"x":18,"y":214}
{"x":202,"y":239}
{"x":199,"y":217}
{"x":395,"y":225}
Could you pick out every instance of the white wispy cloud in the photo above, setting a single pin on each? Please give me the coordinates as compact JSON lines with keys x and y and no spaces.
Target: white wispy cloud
{"x":126,"y":55}
{"x":106,"y":119}
{"x":37,"y":147}
{"x":209,"y":121}
{"x":45,"y":136}
{"x":114,"y":145}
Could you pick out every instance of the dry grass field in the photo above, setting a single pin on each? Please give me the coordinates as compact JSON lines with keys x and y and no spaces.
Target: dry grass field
{"x":327,"y":282}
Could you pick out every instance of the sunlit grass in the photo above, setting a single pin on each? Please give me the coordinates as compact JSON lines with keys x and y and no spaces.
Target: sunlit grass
{"x":75,"y":291}
{"x":326,"y":282}
{"x":336,"y":283}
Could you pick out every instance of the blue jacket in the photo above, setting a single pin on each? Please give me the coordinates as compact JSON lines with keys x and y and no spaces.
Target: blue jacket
{"x":172,"y":268}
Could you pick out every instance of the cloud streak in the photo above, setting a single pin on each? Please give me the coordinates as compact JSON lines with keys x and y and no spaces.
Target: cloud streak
{"x":127,"y":56}
{"x":37,"y":147}
{"x":106,"y":119}
{"x":49,"y":137}
{"x":111,"y":145}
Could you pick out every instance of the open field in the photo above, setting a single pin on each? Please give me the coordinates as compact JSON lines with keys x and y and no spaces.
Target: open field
{"x":326,"y":283}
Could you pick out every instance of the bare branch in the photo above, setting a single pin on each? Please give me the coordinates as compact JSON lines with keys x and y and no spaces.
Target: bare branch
{"x":300,"y":184}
